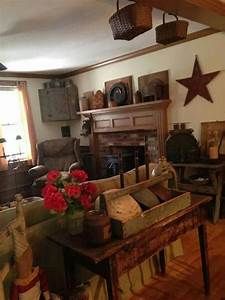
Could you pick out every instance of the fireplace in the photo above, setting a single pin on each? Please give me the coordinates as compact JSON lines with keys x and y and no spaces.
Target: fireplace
{"x":112,"y":165}
{"x":123,"y":130}
{"x":111,"y":144}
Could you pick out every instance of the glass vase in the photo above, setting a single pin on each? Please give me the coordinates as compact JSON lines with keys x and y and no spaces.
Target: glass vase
{"x":75,"y":222}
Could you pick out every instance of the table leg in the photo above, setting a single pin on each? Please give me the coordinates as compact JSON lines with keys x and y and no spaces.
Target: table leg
{"x":112,"y":281}
{"x":68,"y":271}
{"x":202,"y":234}
{"x":162,"y":261}
{"x":219,"y":186}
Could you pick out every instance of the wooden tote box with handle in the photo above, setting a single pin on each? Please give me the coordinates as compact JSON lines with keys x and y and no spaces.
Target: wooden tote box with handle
{"x":123,"y":229}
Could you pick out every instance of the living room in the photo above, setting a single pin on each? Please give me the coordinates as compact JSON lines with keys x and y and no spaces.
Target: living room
{"x":58,"y":46}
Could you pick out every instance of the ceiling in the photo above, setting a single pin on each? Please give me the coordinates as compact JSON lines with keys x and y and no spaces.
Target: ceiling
{"x":57,"y":36}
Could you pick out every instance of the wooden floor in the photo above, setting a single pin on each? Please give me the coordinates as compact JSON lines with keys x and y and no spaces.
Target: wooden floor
{"x":183,"y":280}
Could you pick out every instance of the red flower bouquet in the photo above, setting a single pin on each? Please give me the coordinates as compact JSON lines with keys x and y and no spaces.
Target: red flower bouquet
{"x":67,"y":194}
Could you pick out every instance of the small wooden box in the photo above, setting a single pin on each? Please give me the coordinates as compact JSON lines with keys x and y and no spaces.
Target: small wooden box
{"x":153,"y":215}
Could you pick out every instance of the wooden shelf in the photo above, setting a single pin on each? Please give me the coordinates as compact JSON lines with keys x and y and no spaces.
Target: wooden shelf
{"x":213,"y":166}
{"x":128,"y":108}
{"x":202,"y":189}
{"x":214,"y":172}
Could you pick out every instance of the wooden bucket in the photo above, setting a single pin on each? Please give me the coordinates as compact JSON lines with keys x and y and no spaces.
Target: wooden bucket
{"x":171,"y":32}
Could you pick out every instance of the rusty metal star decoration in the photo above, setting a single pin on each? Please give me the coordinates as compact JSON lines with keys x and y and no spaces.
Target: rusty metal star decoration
{"x":197,"y":83}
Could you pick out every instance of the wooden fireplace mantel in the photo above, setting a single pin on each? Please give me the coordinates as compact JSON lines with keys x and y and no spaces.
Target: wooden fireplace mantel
{"x":133,"y":117}
{"x":120,"y":124}
{"x":159,"y":104}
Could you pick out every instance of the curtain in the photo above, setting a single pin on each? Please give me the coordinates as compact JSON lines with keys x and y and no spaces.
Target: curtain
{"x":3,"y":161}
{"x":28,"y":119}
{"x":27,"y":122}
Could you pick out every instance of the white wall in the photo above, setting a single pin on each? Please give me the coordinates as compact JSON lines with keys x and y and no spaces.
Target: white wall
{"x":47,"y":130}
{"x":179,"y":61}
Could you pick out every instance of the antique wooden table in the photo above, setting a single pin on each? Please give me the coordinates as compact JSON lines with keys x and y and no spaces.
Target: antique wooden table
{"x":118,"y":256}
{"x":213,"y":171}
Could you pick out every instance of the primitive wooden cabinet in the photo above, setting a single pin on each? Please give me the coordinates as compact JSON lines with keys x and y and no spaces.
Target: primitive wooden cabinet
{"x":58,"y":104}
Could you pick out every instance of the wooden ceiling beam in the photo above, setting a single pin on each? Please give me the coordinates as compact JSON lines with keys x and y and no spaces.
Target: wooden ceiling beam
{"x":208,"y":12}
{"x":213,"y":5}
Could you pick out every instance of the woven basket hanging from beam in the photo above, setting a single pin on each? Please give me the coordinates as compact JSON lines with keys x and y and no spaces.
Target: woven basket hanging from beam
{"x":132,"y":20}
{"x":170,"y":32}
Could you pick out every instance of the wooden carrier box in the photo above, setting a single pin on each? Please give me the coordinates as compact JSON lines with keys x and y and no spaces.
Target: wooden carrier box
{"x":180,"y":201}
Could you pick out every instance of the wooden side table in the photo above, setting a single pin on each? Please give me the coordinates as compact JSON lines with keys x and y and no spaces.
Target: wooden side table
{"x":214,"y":187}
{"x":13,"y":182}
{"x":119,"y":256}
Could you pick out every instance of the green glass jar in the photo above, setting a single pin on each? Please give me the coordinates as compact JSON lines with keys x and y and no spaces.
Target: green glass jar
{"x":75,"y":222}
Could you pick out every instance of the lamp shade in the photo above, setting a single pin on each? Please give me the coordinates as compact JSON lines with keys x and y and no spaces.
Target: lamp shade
{"x":2,"y":67}
{"x":2,"y":140}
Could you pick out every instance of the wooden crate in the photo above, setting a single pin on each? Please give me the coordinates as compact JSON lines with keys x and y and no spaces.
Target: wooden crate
{"x":153,"y":215}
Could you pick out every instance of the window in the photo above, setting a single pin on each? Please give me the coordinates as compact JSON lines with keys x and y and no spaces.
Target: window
{"x":13,"y":125}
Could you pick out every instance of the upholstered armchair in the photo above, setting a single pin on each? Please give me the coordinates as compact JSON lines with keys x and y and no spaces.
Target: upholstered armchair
{"x":58,"y":154}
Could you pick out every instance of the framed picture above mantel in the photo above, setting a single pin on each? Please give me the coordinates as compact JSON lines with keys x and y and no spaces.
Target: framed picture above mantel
{"x":154,"y":86}
{"x":119,"y":91}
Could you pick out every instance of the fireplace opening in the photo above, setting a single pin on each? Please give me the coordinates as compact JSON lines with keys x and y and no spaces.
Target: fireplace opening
{"x":112,"y":163}
{"x":111,"y":144}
